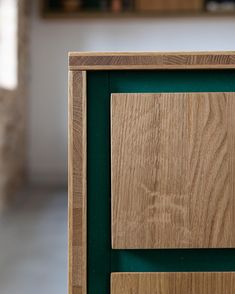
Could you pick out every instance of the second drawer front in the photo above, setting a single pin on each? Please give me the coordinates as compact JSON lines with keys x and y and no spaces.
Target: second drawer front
{"x":169,"y":283}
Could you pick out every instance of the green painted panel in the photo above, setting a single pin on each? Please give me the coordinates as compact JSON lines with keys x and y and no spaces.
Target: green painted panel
{"x":98,"y":184}
{"x":102,"y":260}
{"x":172,"y":81}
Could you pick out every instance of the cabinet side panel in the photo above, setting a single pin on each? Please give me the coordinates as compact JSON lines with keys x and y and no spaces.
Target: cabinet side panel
{"x":77,"y":182}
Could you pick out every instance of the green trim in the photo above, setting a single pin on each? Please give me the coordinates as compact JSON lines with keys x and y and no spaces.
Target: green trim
{"x":102,"y":260}
{"x":98,"y":183}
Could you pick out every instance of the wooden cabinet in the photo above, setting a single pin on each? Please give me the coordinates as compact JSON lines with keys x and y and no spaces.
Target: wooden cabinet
{"x":151,"y":168}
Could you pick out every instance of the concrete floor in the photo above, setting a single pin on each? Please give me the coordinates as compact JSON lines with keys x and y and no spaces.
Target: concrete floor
{"x":33,"y":244}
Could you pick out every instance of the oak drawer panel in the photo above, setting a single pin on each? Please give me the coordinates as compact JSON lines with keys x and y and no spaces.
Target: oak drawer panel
{"x":172,"y":174}
{"x":173,"y":283}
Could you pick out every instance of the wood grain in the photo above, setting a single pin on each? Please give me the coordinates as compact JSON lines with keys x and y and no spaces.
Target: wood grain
{"x":172,"y":171}
{"x":169,"y":5}
{"x":77,"y":183}
{"x":177,"y":283}
{"x":151,"y":60}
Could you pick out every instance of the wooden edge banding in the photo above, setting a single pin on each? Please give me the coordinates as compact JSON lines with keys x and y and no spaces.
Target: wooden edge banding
{"x":148,"y":61}
{"x":77,"y":183}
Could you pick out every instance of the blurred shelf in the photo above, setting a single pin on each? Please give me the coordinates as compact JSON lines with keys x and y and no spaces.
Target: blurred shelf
{"x":130,"y":14}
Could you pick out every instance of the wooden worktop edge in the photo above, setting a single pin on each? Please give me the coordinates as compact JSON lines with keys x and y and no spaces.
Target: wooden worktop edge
{"x":151,"y":60}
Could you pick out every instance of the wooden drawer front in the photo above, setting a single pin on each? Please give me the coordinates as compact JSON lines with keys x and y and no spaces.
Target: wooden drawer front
{"x":172,"y":175}
{"x":173,"y":283}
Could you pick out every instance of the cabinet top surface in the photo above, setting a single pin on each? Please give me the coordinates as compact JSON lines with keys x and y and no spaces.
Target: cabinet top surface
{"x":151,"y":60}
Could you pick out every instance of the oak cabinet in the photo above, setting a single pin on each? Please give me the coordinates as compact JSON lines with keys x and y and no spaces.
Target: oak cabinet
{"x":151,"y":173}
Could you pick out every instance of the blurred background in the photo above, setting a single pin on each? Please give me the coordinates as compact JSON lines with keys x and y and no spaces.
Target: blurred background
{"x":35,"y":37}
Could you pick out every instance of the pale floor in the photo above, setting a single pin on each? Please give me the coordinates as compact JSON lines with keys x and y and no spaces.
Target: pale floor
{"x":33,"y":244}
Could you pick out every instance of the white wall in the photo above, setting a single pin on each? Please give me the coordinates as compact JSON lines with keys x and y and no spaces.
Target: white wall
{"x":52,"y":39}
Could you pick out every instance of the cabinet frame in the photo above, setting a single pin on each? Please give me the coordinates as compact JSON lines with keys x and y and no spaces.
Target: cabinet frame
{"x":79,"y":64}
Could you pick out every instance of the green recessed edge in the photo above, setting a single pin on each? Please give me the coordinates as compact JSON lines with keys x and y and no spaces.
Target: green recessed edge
{"x":102,"y":260}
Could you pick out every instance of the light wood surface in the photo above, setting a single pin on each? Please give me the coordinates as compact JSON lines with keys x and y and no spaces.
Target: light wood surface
{"x":177,"y":283}
{"x":77,"y":183}
{"x":169,"y":5}
{"x":151,"y":60}
{"x":172,"y":174}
